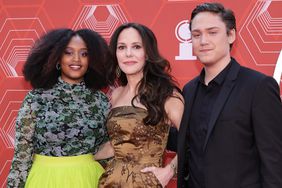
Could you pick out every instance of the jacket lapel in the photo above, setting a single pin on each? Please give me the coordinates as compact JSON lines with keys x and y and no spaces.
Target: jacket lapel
{"x":182,"y":141}
{"x":188,"y":98}
{"x":222,"y":97}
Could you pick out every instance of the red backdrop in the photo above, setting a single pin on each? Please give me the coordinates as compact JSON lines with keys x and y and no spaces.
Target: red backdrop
{"x":258,"y":45}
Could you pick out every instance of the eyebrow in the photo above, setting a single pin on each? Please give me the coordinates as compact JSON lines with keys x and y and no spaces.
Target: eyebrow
{"x":131,"y":43}
{"x":69,"y":47}
{"x":210,"y":28}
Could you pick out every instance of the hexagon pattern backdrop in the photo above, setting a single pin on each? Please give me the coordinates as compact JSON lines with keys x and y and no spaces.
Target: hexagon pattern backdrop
{"x":258,"y":44}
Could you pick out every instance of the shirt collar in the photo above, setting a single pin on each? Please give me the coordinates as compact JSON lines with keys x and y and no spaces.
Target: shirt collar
{"x":68,"y":86}
{"x":219,"y":79}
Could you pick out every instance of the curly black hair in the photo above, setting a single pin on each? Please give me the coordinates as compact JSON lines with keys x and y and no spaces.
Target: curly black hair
{"x":40,"y":67}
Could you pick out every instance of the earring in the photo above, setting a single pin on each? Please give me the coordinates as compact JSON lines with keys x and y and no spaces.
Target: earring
{"x":118,"y":71}
{"x":146,"y":58}
{"x":58,"y":66}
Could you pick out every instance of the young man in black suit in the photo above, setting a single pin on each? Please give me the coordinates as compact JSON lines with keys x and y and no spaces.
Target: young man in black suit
{"x":231,"y":130}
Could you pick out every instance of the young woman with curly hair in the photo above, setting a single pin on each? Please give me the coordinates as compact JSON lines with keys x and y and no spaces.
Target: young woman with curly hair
{"x":60,"y":125}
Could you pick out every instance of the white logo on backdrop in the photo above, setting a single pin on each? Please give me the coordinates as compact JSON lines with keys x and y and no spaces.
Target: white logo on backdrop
{"x":87,"y":19}
{"x":278,"y":69}
{"x":183,"y":34}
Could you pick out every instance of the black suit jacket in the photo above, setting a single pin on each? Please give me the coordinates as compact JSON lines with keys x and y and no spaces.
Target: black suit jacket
{"x":243,"y":146}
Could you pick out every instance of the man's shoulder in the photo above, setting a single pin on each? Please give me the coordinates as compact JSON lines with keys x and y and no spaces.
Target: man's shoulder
{"x":191,"y":82}
{"x":249,"y":74}
{"x":252,"y":78}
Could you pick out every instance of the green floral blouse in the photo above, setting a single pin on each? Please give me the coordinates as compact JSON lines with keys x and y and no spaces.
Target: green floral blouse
{"x":67,"y":120}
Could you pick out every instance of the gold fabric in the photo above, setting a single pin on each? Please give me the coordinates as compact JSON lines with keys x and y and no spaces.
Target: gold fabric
{"x":136,"y":146}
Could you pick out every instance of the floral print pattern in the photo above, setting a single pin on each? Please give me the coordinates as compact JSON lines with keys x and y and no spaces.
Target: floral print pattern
{"x":136,"y":146}
{"x":66,"y":120}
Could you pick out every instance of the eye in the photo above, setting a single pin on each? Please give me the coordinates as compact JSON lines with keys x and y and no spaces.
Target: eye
{"x":212,"y":32}
{"x":121,"y":47}
{"x":137,"y":46}
{"x":196,"y":35}
{"x":84,"y":53}
{"x":68,"y":52}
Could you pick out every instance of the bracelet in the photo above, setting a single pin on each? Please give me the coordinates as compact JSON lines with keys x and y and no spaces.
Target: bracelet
{"x":173,"y":167}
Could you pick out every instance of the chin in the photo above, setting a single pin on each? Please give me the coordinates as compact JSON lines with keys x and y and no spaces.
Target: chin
{"x":205,"y":60}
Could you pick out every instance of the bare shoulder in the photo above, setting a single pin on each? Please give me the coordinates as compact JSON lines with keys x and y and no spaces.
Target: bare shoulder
{"x":116,"y":94}
{"x":176,"y":99}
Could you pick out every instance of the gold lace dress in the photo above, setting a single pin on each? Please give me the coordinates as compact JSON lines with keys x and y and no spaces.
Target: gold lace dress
{"x":136,"y":146}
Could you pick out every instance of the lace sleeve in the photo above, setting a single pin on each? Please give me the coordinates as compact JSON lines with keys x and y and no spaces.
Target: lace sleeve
{"x":22,"y":160}
{"x":105,"y":108}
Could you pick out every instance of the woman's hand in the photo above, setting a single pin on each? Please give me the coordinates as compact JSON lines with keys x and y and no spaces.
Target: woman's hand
{"x":163,"y":174}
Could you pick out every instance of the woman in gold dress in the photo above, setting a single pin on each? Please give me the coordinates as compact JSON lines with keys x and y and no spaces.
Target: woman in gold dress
{"x":144,"y":107}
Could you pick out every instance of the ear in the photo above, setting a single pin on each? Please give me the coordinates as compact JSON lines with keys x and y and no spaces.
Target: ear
{"x":231,"y":36}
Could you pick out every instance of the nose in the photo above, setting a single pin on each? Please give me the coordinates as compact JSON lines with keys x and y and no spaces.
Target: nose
{"x":76,"y":56}
{"x":203,"y":39}
{"x":128,"y":52}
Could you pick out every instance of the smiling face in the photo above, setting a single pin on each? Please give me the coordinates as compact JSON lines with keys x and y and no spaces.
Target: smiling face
{"x":130,"y":52}
{"x":211,"y":42}
{"x":74,"y":62}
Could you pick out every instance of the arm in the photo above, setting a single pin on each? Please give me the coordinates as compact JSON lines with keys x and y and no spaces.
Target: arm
{"x":174,"y":107}
{"x":22,"y":160}
{"x":105,"y":151}
{"x":267,"y":118}
{"x":104,"y":146}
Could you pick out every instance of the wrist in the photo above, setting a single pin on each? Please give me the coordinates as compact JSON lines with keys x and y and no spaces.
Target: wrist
{"x":173,"y":167}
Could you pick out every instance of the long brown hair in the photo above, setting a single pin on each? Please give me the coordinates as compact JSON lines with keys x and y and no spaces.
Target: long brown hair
{"x":157,"y":85}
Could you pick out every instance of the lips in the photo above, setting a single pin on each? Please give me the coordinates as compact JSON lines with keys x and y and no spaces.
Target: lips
{"x":129,"y":62}
{"x":75,"y":67}
{"x":205,"y":50}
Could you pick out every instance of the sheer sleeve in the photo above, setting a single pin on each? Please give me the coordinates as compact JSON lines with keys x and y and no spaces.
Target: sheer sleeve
{"x":104,"y":110}
{"x":22,"y":160}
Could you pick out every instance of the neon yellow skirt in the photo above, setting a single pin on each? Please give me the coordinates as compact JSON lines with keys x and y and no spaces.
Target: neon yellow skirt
{"x":64,"y":172}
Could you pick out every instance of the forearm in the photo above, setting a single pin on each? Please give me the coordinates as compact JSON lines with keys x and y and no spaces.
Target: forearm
{"x":173,"y":165}
{"x":105,"y":151}
{"x":18,"y":175}
{"x":24,"y":148}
